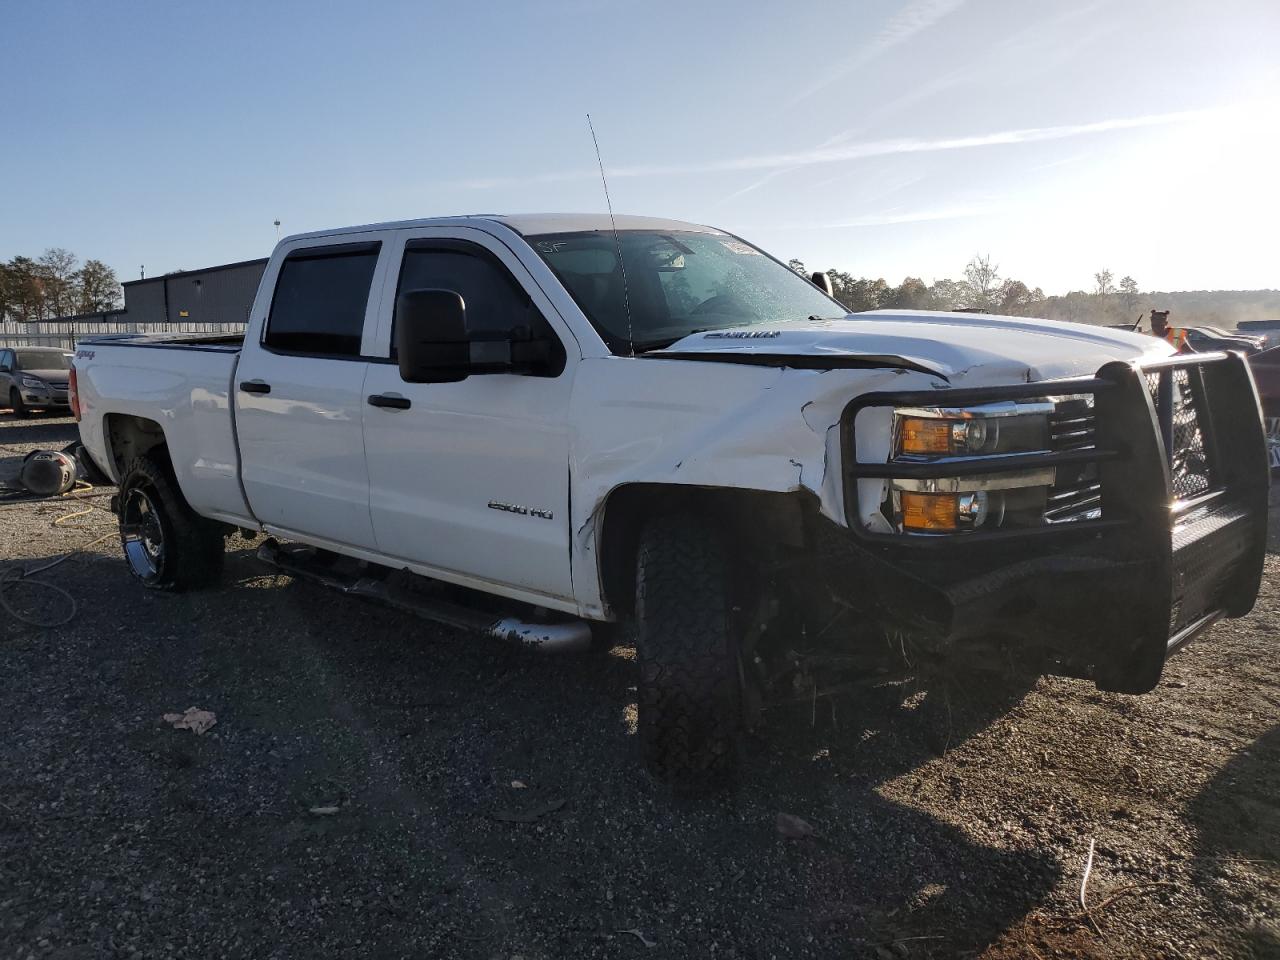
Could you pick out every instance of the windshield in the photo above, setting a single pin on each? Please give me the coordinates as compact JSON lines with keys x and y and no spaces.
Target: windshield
{"x":43,"y":360}
{"x":677,"y":283}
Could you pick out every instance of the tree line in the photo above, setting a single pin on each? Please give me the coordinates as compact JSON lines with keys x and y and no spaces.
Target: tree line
{"x":56,"y":284}
{"x":984,"y":289}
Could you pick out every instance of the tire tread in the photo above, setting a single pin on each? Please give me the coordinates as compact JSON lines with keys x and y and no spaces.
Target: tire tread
{"x":690,"y":713}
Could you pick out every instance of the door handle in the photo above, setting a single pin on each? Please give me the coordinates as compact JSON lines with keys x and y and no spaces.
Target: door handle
{"x":390,"y":400}
{"x":255,"y":386}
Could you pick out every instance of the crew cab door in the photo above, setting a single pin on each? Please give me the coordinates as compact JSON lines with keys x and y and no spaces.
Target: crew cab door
{"x":471,"y":479}
{"x":299,"y":392}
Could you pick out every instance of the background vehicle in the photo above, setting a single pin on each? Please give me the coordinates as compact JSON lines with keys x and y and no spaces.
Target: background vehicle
{"x":1266,"y":372}
{"x":34,"y":377}
{"x":665,"y":425}
{"x":1266,"y":330}
{"x":1202,"y":339}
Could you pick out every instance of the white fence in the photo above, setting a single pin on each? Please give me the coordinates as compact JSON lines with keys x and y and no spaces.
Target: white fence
{"x":51,"y":333}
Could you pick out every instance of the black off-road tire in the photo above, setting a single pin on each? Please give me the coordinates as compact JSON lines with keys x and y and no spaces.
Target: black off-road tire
{"x":690,"y":713}
{"x":17,"y":404}
{"x":193,"y":548}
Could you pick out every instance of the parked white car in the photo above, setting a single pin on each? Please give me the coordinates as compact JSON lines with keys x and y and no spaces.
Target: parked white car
{"x":667,"y":425}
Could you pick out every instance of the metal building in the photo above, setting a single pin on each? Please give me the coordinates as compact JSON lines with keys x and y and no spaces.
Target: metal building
{"x":222,"y":294}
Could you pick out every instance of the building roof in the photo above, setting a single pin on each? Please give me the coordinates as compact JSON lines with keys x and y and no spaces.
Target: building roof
{"x":192,"y":273}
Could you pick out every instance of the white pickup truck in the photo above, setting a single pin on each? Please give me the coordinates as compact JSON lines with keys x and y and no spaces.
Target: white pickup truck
{"x":532,"y":423}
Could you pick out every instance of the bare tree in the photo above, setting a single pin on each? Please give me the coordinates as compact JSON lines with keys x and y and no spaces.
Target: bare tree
{"x":58,"y":269}
{"x":983,"y":278}
{"x":1104,"y":286}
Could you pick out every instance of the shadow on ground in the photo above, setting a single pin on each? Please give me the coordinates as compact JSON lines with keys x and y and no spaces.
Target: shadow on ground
{"x":1238,"y":817}
{"x":51,"y":428}
{"x":486,"y":800}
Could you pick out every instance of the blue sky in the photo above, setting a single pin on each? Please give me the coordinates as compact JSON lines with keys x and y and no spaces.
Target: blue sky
{"x":885,"y":138}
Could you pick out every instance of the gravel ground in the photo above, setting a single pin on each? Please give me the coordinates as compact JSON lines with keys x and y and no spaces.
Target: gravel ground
{"x":120,"y":836}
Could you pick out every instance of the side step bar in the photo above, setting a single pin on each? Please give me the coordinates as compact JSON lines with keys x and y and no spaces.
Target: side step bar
{"x":300,"y":561}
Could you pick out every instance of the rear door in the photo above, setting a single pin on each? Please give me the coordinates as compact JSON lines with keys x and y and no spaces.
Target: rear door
{"x":300,"y":392}
{"x":471,"y":479}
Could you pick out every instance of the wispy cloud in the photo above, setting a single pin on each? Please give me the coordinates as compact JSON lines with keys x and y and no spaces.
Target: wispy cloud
{"x":890,"y":217}
{"x":840,"y":152}
{"x":917,"y":16}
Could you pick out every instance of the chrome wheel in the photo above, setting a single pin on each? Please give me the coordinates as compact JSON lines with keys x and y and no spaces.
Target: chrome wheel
{"x":142,"y":534}
{"x":1273,"y":443}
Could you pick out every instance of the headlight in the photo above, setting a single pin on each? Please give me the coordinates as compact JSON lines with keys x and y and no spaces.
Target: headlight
{"x":35,"y":382}
{"x":985,"y":430}
{"x":941,"y":505}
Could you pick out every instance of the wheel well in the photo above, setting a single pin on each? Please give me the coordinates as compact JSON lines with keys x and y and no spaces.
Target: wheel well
{"x":756,"y":522}
{"x":130,"y":437}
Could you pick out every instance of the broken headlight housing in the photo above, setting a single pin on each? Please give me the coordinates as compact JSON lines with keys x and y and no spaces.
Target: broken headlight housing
{"x":972,"y":501}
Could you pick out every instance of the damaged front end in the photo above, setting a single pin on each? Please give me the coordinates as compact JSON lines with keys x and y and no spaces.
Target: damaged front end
{"x":1086,"y":527}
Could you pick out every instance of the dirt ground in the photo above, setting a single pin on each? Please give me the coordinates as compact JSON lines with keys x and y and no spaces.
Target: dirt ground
{"x":121,"y":837}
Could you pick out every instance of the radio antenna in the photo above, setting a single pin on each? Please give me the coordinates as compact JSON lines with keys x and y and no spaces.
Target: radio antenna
{"x":617,"y":240}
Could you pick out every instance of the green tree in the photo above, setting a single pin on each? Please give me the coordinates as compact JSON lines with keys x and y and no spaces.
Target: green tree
{"x":1129,"y":293}
{"x":949,"y":294}
{"x":911,"y":295}
{"x":97,"y":288}
{"x":1018,"y":301}
{"x":26,"y":289}
{"x":858,"y":293}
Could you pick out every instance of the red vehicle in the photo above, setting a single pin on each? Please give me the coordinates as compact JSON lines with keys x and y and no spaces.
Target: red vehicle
{"x":1266,"y":371}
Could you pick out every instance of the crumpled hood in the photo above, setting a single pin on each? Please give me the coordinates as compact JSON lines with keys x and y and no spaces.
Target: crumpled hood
{"x":955,"y":346}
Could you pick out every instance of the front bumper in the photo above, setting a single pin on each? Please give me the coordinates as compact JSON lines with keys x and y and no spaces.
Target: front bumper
{"x":50,"y":396}
{"x":1106,"y":597}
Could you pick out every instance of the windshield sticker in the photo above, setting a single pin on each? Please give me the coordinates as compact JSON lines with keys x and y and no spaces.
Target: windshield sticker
{"x":743,"y":335}
{"x":737,"y":246}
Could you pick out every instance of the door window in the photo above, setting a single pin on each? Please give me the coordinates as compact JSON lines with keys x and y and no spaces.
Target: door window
{"x":495,"y":300}
{"x":320,"y":300}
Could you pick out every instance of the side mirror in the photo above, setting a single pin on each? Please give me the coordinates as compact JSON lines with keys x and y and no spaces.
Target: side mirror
{"x":432,"y":345}
{"x":823,"y":283}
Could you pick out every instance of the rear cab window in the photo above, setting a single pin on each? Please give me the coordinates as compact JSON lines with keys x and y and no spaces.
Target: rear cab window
{"x":318,"y":307}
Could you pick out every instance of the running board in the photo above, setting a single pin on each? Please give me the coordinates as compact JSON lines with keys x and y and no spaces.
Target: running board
{"x":301,"y":561}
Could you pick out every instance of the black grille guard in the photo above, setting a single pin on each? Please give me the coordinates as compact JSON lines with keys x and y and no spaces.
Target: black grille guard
{"x":1176,"y":546}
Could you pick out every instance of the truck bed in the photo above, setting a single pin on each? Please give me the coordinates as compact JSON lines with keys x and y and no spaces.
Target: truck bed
{"x":181,"y":383}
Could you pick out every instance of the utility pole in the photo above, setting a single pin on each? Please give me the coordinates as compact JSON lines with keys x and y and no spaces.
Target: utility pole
{"x":277,"y":223}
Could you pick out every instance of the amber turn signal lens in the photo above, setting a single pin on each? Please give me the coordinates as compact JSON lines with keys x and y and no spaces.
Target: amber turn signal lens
{"x":924,"y":435}
{"x":930,"y":512}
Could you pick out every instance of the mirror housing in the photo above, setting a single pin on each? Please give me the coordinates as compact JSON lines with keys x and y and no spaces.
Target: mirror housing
{"x":823,"y":283}
{"x":434,"y":345}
